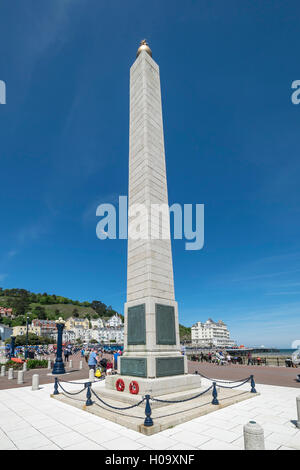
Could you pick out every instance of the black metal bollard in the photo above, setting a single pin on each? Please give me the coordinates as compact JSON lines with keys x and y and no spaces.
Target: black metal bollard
{"x":56,"y":392}
{"x":253,"y":390}
{"x":88,"y":394}
{"x":215,"y":400}
{"x":148,"y":420}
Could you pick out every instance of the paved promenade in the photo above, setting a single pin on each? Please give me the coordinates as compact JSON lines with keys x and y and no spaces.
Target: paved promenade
{"x":45,"y":375}
{"x":283,"y":376}
{"x":33,"y":420}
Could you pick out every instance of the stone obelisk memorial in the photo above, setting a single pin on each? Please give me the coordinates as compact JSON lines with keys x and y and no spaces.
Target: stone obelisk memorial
{"x":152,"y":360}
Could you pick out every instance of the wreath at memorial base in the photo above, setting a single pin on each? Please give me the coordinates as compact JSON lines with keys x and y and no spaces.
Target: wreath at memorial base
{"x":120,"y":385}
{"x":134,"y":387}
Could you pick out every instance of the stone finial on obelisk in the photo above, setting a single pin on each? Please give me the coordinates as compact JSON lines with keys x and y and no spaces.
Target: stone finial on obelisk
{"x":144,"y":46}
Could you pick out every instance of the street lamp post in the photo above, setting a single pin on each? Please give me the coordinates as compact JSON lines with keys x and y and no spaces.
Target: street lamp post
{"x":12,"y":346}
{"x":26,"y":349}
{"x":59,"y":367}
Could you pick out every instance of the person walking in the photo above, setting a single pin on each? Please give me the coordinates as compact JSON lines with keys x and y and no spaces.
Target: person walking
{"x":115,"y":356}
{"x":86,"y":355}
{"x":66,"y":354}
{"x":93,"y":360}
{"x":249,"y":358}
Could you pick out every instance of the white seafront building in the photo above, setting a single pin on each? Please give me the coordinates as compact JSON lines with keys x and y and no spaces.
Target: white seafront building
{"x":211,"y":334}
{"x":98,"y":323}
{"x":114,"y":322}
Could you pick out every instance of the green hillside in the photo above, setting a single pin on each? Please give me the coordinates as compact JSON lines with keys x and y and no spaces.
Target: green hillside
{"x":66,"y":310}
{"x":50,"y":307}
{"x":184,"y":333}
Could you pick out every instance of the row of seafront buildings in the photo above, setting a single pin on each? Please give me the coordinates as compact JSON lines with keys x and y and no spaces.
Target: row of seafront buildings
{"x":81,"y":329}
{"x":206,"y":334}
{"x":211,"y":334}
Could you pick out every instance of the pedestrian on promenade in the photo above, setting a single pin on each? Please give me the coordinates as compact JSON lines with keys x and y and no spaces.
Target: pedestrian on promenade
{"x":93,"y":360}
{"x":249,"y":359}
{"x":116,"y":355}
{"x":66,"y":354}
{"x":109,"y":368}
{"x":86,"y":355}
{"x":31,"y":354}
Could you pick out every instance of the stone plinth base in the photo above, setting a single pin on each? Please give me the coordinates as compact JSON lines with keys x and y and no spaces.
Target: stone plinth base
{"x":155,"y":387}
{"x":164,"y":415}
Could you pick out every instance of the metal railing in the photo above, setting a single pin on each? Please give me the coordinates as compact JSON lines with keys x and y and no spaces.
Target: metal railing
{"x":148,"y":421}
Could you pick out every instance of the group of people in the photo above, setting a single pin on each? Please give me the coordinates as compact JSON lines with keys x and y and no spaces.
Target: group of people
{"x":221,"y":357}
{"x":218,"y":357}
{"x":20,"y":352}
{"x":96,"y":360}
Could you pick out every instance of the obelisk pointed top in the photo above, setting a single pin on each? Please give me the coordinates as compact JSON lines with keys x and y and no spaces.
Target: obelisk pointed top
{"x":144,"y":47}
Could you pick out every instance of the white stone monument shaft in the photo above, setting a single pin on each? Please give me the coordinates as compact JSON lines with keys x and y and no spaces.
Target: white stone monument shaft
{"x":152,"y":356}
{"x":151,"y":306}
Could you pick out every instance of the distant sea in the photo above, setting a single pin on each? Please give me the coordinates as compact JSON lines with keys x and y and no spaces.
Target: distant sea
{"x":283,"y":352}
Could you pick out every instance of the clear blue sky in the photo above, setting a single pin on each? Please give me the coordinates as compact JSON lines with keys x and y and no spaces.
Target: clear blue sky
{"x":232,"y":143}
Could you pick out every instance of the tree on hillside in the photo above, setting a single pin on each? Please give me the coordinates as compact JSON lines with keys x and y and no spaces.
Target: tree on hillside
{"x":110,"y":312}
{"x":184,"y":333}
{"x":20,"y":304}
{"x":40,"y":312}
{"x":75,"y":313}
{"x":6,"y":321}
{"x":32,"y":340}
{"x":99,"y":307}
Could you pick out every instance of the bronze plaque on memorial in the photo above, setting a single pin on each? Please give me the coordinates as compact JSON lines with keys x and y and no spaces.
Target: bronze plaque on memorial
{"x":134,"y":366}
{"x":136,"y":325}
{"x":165,"y":324}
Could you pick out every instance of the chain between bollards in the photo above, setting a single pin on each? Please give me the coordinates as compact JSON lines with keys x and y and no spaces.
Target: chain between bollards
{"x":215,"y":400}
{"x":88,"y":394}
{"x":148,"y":420}
{"x":253,"y":390}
